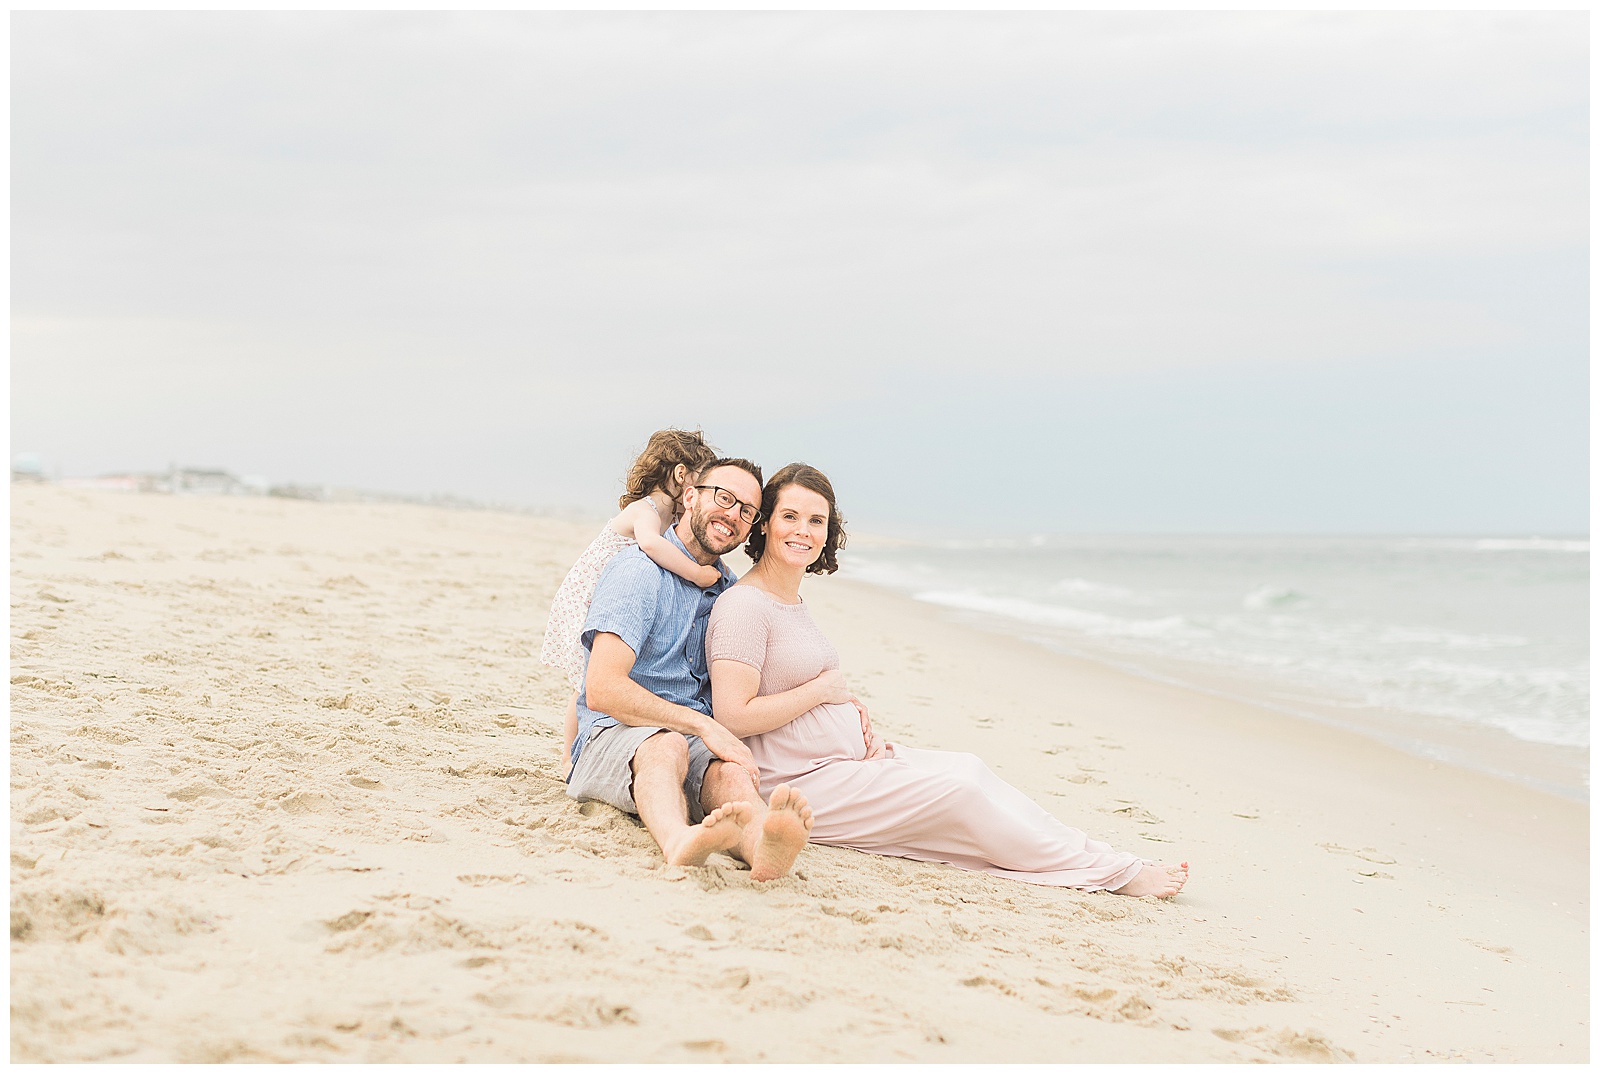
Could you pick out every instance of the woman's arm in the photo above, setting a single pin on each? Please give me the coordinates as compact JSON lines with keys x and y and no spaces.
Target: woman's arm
{"x":735,"y":705}
{"x":640,"y":521}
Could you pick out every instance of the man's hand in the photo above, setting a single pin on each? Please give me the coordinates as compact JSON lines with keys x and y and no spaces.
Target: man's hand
{"x":726,"y":745}
{"x":612,"y":692}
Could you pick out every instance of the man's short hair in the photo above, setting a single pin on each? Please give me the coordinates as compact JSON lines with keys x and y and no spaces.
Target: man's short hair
{"x":744,"y":464}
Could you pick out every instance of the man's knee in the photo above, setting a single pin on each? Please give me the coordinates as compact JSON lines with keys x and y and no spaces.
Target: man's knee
{"x":665,"y":750}
{"x":727,"y":782}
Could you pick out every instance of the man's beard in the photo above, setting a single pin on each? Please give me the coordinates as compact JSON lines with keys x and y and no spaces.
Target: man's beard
{"x":698,"y":521}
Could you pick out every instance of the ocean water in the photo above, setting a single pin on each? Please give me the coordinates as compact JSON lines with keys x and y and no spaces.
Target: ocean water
{"x":1469,"y":634}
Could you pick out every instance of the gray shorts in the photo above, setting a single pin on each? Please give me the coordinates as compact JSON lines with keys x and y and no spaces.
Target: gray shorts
{"x":604,"y":771}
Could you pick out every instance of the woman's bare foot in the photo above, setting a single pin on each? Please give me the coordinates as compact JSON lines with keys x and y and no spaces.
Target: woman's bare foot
{"x":1162,"y":881}
{"x":783,"y":832}
{"x":719,"y":831}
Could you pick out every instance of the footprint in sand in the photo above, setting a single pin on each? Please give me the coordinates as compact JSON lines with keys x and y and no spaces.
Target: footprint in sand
{"x":733,"y":979}
{"x":1135,"y":811}
{"x":479,"y":880}
{"x":1367,"y":854}
{"x":589,"y":1012}
{"x":1505,"y":953}
{"x":346,"y":922}
{"x":305,"y":802}
{"x":705,"y":1047}
{"x":1305,"y":1046}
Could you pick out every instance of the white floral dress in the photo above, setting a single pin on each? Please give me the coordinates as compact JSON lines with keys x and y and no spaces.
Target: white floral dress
{"x":562,"y":647}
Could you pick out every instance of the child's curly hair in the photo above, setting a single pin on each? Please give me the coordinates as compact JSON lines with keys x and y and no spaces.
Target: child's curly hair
{"x":653,"y":466}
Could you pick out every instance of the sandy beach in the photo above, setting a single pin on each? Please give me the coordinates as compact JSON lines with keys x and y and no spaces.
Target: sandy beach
{"x":285,"y":786}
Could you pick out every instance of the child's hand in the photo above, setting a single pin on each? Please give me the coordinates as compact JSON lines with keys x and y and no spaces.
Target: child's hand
{"x":707,"y":577}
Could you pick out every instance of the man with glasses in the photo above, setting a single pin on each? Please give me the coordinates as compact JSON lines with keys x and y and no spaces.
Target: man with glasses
{"x":646,"y":741}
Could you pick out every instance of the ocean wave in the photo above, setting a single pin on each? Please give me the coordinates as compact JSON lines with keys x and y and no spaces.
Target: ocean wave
{"x":1308,"y":635}
{"x":958,"y":545}
{"x":1555,"y":682}
{"x":1546,"y":705}
{"x":1361,"y":662}
{"x":1486,"y":631}
{"x":1084,"y":622}
{"x":1082,"y":587}
{"x":1529,"y":544}
{"x":1399,"y":635}
{"x":1269,"y":596}
{"x":895,"y":575}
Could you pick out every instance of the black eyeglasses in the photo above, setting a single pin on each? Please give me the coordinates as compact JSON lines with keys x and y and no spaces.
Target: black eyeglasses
{"x":725,"y":499}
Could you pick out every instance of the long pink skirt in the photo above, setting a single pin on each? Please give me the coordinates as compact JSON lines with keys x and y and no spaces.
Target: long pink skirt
{"x":938,"y":806}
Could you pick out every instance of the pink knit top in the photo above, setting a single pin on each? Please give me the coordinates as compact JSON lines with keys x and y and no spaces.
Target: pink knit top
{"x":783,"y":643}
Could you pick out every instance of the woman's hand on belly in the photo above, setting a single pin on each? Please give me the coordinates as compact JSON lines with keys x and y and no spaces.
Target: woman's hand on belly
{"x":834,"y":691}
{"x":836,"y":733}
{"x":874,"y":744}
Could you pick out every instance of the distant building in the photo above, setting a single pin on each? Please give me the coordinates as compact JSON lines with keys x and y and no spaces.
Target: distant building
{"x":184,"y":481}
{"x":112,"y":483}
{"x":203,"y":481}
{"x":195,"y":482}
{"x":296,"y":492}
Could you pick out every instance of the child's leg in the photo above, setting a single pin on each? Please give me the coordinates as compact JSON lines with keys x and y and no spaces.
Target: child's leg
{"x":569,"y":731}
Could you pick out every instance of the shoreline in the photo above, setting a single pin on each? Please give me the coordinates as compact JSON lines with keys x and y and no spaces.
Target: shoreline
{"x":1547,"y":767}
{"x":1241,"y":762}
{"x":286,"y":788}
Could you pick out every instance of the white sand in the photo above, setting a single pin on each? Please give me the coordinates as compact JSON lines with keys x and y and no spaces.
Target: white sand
{"x":284,"y":786}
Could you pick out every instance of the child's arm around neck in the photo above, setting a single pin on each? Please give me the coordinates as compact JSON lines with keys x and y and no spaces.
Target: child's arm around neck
{"x":644,"y":521}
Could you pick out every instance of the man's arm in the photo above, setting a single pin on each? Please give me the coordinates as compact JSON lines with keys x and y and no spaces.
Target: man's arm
{"x":608,"y":689}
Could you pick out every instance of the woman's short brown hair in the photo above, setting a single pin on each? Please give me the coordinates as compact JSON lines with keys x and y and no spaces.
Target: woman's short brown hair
{"x":807,"y":477}
{"x":665,"y":451}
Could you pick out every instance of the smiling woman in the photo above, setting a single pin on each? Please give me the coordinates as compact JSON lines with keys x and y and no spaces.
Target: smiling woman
{"x":775,"y":681}
{"x":797,"y":531}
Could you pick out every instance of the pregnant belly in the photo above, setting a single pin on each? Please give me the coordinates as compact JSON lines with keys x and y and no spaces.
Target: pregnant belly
{"x":826,"y":733}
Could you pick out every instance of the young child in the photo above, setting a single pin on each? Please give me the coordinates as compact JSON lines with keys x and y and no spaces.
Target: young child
{"x":650,"y":505}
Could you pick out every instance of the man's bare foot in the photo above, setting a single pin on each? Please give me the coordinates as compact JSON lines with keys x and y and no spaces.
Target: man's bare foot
{"x":1162,"y":881}
{"x":720,"y":830}
{"x":784,"y":831}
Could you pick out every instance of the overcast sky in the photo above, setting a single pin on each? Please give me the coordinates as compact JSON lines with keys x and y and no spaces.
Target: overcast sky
{"x":1166,"y":272}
